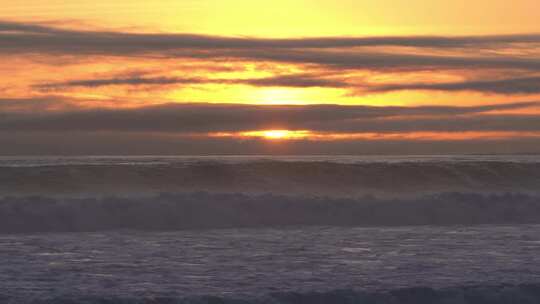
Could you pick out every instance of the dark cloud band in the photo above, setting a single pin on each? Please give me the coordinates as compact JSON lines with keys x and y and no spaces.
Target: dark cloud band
{"x":201,"y":118}
{"x":340,"y":52}
{"x":524,"y":85}
{"x":19,"y":34}
{"x":510,"y":86}
{"x":294,"y":81}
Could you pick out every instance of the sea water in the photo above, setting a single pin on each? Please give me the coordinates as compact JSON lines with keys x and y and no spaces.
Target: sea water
{"x":422,"y":229}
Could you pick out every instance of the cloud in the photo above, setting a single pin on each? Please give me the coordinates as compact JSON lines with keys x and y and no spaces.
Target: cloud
{"x":337,"y":52}
{"x":202,"y":118}
{"x":510,"y":86}
{"x":295,"y":81}
{"x":363,"y":60}
{"x":8,"y":106}
{"x":131,"y":81}
{"x":523,"y":85}
{"x":467,"y":123}
{"x":113,"y":143}
{"x":19,"y":34}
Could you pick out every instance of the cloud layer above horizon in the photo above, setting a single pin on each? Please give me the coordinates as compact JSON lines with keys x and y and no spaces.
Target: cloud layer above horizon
{"x":399,"y":94}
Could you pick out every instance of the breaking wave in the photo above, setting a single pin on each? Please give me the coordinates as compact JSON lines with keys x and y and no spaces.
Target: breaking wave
{"x":522,"y":294}
{"x":171,"y":194}
{"x":204,"y":210}
{"x":317,"y":178}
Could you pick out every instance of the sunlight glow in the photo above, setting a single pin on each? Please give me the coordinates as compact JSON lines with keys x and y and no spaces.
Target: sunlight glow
{"x":278,"y":134}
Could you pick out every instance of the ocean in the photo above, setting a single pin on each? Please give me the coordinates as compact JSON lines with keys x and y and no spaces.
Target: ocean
{"x":265,"y":229}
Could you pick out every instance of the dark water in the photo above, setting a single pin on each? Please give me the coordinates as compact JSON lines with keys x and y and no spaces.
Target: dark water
{"x":460,"y":229}
{"x":255,"y":263}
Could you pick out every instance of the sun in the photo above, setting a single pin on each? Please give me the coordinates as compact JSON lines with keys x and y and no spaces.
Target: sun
{"x":273,"y":135}
{"x":278,"y":134}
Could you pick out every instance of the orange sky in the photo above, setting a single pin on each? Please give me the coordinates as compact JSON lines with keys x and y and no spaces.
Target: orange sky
{"x":112,"y":55}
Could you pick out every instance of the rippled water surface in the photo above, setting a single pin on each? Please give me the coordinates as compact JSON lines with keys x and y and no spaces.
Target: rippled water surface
{"x":251,"y":262}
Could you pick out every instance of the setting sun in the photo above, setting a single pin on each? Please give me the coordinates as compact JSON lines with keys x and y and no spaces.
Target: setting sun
{"x":278,"y":134}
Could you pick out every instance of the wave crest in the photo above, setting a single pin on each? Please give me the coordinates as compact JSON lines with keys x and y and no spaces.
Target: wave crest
{"x":295,"y":177}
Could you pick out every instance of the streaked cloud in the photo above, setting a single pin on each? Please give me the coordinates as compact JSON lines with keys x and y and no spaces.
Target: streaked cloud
{"x":521,"y":85}
{"x":20,"y":34}
{"x":337,"y":52}
{"x":114,"y":143}
{"x":295,"y":81}
{"x":507,"y":86}
{"x":202,"y":118}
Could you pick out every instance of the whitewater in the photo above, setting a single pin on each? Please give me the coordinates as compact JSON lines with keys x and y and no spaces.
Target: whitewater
{"x":265,"y":229}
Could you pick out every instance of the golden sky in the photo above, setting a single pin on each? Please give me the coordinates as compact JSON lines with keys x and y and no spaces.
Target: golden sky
{"x":408,"y":59}
{"x":285,"y":18}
